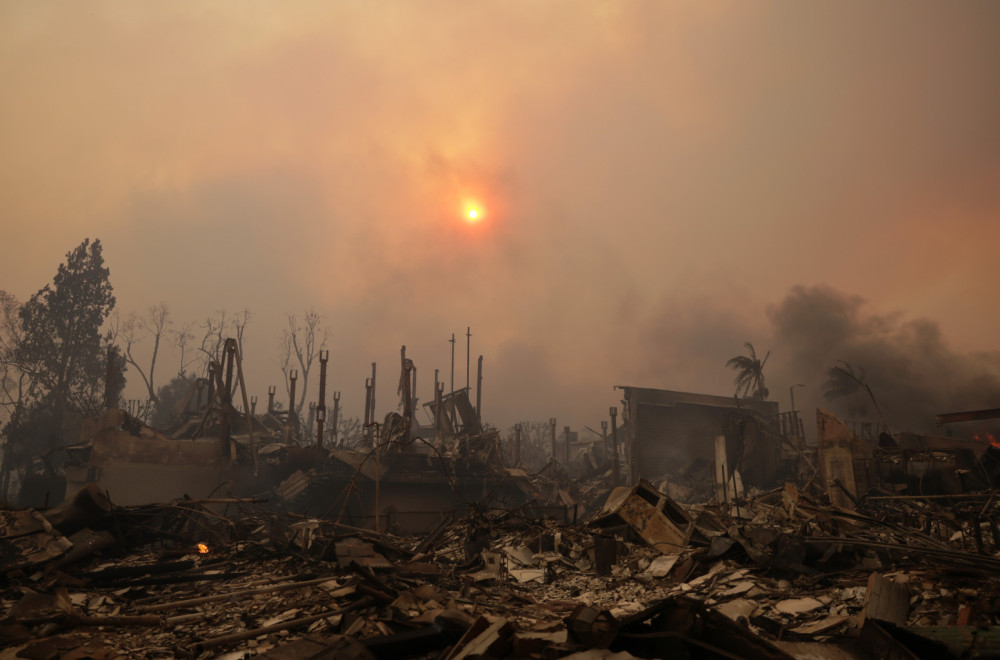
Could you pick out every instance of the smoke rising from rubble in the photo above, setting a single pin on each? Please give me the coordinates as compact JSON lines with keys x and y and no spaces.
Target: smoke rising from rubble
{"x":652,"y":177}
{"x":911,"y":369}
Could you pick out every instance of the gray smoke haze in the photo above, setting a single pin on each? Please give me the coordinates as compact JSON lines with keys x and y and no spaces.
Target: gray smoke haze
{"x":911,"y":369}
{"x":652,"y":176}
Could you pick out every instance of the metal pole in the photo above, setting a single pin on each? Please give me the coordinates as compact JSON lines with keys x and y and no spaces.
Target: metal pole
{"x":615,"y":474}
{"x":479,"y":391}
{"x":468,"y":354}
{"x":452,"y":385}
{"x":368,"y":404}
{"x":566,"y":432}
{"x":373,"y":391}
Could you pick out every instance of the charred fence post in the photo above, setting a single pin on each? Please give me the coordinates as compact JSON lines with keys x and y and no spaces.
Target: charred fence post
{"x":324,"y":356}
{"x":615,"y":474}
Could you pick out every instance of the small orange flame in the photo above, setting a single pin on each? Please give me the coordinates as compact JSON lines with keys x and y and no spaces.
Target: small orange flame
{"x":202,"y":548}
{"x":986,"y":436}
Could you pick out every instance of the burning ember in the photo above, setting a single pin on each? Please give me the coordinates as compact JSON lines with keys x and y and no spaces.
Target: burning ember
{"x":202,"y":548}
{"x":986,"y":436}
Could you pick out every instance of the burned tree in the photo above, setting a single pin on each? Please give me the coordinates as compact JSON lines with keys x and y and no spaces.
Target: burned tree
{"x":134,"y":329}
{"x":844,"y":381}
{"x":300,"y":347}
{"x":749,"y":373}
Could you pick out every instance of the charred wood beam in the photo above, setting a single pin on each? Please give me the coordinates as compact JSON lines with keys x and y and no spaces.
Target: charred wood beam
{"x":968,"y":416}
{"x":278,"y":627}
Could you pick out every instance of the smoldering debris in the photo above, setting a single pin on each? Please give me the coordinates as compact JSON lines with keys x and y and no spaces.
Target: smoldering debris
{"x":702,"y":527}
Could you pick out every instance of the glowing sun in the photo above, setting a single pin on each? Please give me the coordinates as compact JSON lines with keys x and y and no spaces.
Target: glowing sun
{"x":472,"y":215}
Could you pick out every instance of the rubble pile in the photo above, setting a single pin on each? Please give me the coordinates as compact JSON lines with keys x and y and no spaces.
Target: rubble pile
{"x":779,"y":575}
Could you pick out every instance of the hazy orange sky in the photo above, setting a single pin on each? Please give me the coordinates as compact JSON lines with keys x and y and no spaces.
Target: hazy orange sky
{"x":653,"y":177}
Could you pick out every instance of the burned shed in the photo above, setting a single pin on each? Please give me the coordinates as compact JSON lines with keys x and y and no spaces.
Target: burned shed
{"x":669,"y":433}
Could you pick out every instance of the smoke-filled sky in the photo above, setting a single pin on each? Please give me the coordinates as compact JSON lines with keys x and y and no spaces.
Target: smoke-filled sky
{"x":657,"y":183}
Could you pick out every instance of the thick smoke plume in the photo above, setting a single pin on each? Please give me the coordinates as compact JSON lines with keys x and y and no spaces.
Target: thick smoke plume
{"x":912,"y":372}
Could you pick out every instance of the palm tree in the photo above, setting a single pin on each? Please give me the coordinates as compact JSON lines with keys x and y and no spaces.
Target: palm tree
{"x":749,"y":373}
{"x":843,"y":380}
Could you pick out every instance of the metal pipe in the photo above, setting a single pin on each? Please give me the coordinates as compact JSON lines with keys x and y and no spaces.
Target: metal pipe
{"x":468,"y":354}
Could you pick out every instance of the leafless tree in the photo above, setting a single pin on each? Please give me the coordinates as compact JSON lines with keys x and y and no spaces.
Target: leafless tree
{"x":350,"y":433}
{"x":536,"y":444}
{"x":300,"y":346}
{"x":181,"y":339}
{"x":136,"y":328}
{"x":217,"y":328}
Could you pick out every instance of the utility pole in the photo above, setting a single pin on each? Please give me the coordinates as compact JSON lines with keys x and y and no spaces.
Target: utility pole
{"x":373,"y":391}
{"x":452,"y":384}
{"x":468,"y":354}
{"x":368,"y":405}
{"x":479,"y":392}
{"x":615,"y":476}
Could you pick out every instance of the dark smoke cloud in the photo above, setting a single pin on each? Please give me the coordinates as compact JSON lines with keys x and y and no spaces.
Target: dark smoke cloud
{"x":912,"y":371}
